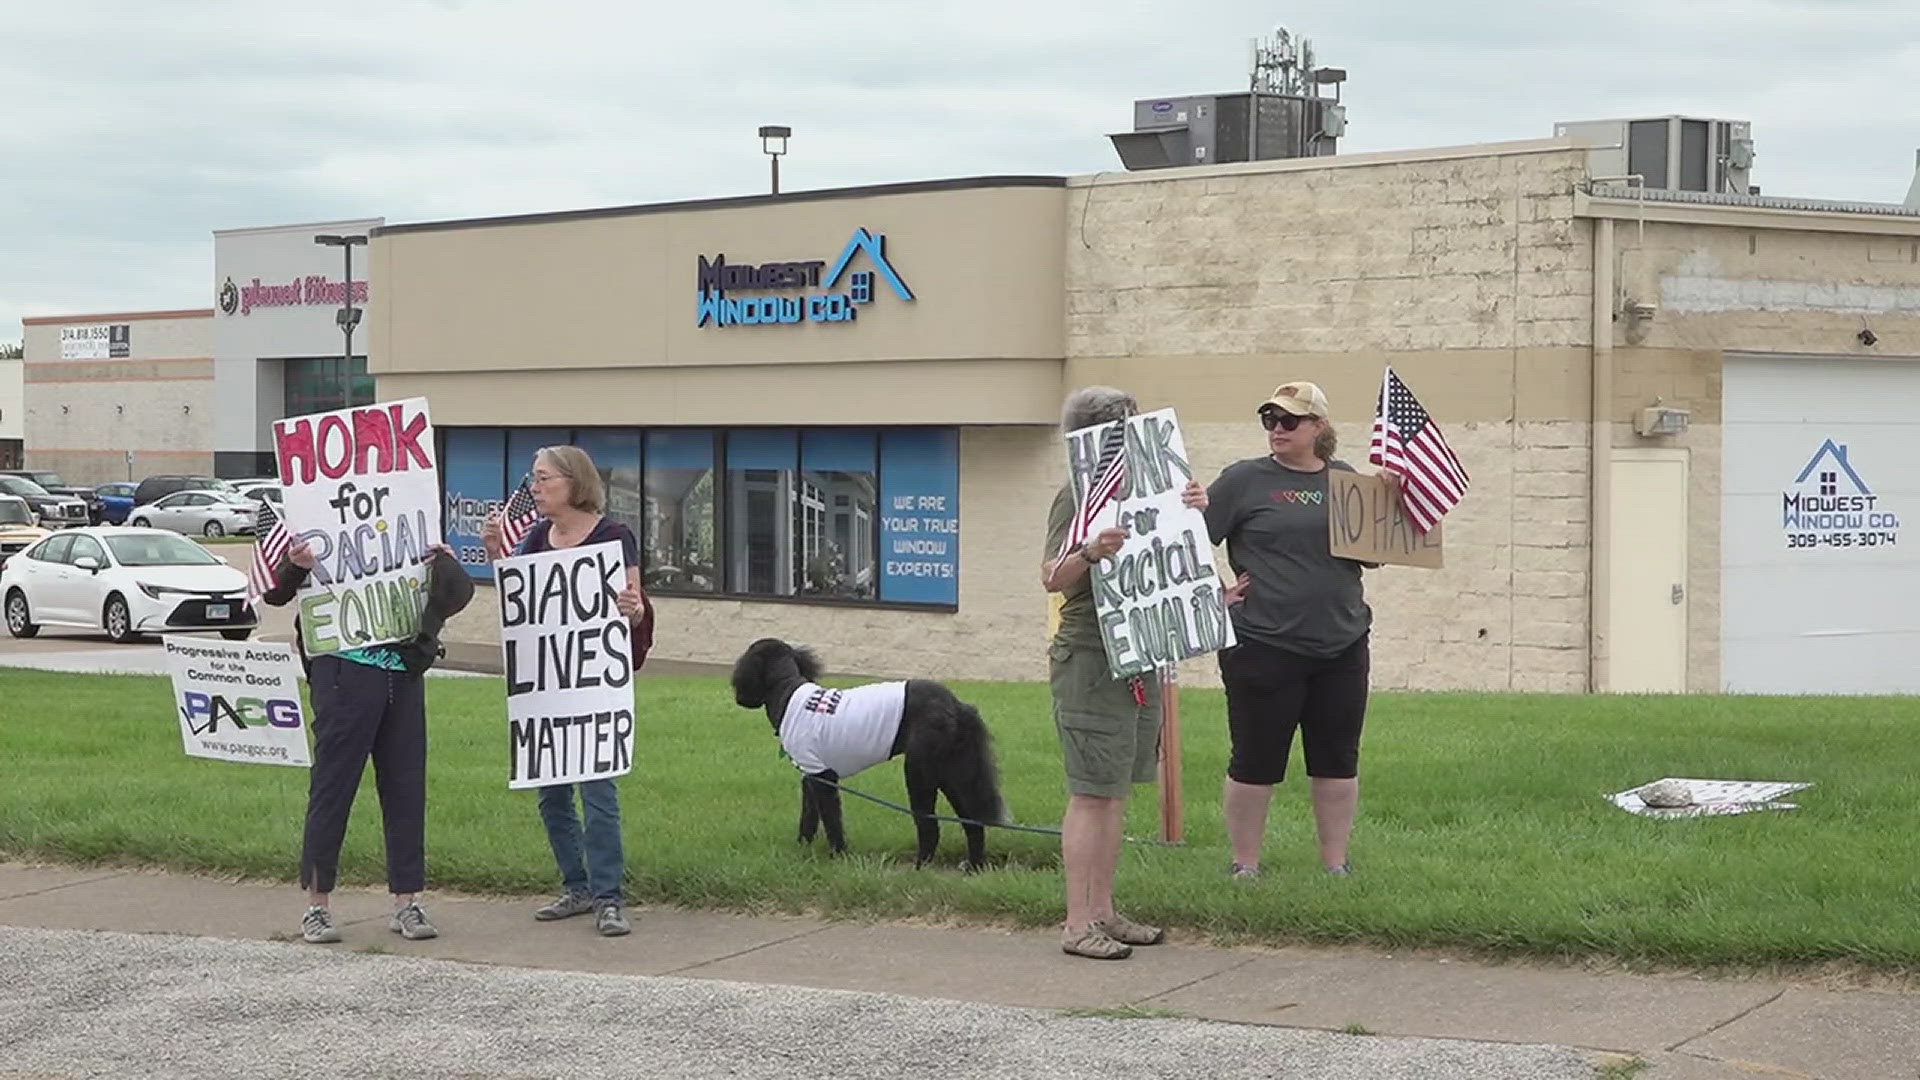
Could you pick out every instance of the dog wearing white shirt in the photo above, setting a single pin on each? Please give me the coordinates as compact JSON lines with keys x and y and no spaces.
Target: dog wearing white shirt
{"x":831,"y":734}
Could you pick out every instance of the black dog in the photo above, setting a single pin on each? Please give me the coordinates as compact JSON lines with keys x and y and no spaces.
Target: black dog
{"x":835,"y":733}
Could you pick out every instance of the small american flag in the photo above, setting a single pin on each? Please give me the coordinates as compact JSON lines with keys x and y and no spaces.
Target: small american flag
{"x":1406,"y":440}
{"x":270,"y":544}
{"x":518,"y":516}
{"x":1109,"y":476}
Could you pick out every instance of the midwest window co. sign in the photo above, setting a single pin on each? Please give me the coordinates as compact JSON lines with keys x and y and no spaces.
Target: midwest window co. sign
{"x":821,"y":299}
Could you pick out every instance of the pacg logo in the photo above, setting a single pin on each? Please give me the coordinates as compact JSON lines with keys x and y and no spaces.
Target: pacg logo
{"x":203,"y":712}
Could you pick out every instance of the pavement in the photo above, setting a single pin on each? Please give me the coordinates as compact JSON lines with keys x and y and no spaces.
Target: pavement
{"x":107,"y":971}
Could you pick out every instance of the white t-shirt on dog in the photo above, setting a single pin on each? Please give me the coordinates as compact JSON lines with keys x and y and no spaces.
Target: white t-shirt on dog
{"x":842,"y":730}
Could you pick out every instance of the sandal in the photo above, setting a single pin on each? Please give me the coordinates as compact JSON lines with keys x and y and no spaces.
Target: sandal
{"x":1094,"y":944}
{"x":1125,"y":930}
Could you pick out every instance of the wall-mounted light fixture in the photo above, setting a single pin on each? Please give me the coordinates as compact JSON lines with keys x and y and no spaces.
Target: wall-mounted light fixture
{"x":1659,"y":421}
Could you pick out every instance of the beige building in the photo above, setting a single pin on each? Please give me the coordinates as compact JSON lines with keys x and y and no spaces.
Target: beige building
{"x":120,"y":396}
{"x":830,"y":415}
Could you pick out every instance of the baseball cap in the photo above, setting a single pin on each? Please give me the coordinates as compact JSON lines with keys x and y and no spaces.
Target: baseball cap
{"x":1298,"y":398}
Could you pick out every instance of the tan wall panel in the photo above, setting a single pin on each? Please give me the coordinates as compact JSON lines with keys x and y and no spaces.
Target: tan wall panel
{"x":985,"y":266}
{"x":925,"y":392}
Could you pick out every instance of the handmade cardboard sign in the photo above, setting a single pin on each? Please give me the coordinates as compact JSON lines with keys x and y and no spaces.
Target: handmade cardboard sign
{"x":238,"y":700}
{"x":1366,"y":523}
{"x":569,"y":665}
{"x":363,"y":490}
{"x":1158,"y":599}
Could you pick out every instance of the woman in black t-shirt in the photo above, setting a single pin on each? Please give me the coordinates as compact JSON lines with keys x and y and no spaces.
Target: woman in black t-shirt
{"x":571,"y":499}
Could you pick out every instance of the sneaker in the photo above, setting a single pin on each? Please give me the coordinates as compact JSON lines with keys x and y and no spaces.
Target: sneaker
{"x":1094,"y":944}
{"x":1127,"y":932}
{"x":1343,"y":870}
{"x":612,"y":922}
{"x":411,"y":923}
{"x":569,"y":905}
{"x":1242,"y":872}
{"x":317,"y":927}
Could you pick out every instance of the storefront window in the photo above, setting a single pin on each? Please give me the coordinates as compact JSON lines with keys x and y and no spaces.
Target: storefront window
{"x":760,"y":510}
{"x":313,"y":385}
{"x":616,"y":451}
{"x":682,"y":500}
{"x":829,"y":514}
{"x":834,"y":514}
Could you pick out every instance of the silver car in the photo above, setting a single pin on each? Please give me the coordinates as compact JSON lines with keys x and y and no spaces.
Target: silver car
{"x":202,"y":513}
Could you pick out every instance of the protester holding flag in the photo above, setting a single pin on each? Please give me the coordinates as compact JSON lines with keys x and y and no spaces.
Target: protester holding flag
{"x":562,"y":505}
{"x":1109,"y":728}
{"x":1302,"y":623}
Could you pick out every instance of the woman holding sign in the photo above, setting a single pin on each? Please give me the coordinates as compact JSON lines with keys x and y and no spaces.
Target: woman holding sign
{"x":1109,"y":727}
{"x":570,"y":499}
{"x":1302,"y":623}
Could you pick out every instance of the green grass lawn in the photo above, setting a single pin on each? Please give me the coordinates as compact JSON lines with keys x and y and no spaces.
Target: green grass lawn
{"x":1482,"y":824}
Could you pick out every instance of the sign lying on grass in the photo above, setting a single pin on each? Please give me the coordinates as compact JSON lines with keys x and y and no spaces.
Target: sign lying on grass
{"x":1366,"y":522}
{"x":569,"y":665}
{"x":1712,"y":798}
{"x":1158,"y":599}
{"x":238,"y":700}
{"x":363,"y":489}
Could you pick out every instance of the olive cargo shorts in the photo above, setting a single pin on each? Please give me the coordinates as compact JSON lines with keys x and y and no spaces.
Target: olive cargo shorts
{"x":1109,"y":741}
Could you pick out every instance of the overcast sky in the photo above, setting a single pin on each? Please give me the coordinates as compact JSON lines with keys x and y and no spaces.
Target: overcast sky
{"x":129,"y":131}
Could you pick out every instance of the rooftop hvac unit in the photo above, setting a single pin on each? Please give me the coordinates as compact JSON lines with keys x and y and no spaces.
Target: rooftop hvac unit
{"x":1676,"y":153}
{"x":1213,"y":129}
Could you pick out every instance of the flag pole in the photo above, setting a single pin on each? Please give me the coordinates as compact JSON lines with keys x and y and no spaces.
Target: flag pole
{"x":1172,"y":816}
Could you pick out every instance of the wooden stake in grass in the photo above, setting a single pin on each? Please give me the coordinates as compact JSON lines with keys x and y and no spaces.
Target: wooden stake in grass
{"x":1172,"y":805}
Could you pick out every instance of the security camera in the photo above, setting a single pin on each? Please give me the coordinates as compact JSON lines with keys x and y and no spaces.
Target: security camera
{"x":1640,"y":309}
{"x":1868,"y":337}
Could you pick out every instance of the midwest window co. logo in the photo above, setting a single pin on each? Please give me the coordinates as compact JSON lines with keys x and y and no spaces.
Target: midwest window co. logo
{"x":1829,"y":505}
{"x":716,"y":278}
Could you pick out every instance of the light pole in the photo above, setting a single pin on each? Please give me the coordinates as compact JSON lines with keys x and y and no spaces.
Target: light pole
{"x":348,"y":316}
{"x":773,"y":143}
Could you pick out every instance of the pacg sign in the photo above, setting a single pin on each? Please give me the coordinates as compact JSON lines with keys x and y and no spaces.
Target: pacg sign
{"x":569,"y":665}
{"x":1158,"y":599}
{"x":238,"y":701}
{"x":361,"y":488}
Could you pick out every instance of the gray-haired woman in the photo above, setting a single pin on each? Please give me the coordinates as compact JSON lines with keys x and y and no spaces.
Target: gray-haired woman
{"x":1109,"y":727}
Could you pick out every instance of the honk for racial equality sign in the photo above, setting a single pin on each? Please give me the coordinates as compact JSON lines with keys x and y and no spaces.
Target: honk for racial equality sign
{"x":362,"y":489}
{"x":1158,"y":599}
{"x":568,"y":654}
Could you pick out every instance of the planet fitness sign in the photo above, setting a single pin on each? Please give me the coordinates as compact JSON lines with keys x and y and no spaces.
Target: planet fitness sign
{"x":716,"y":277}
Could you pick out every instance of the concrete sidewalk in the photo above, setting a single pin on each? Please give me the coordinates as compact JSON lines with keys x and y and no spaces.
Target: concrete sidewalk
{"x":1687,"y":1028}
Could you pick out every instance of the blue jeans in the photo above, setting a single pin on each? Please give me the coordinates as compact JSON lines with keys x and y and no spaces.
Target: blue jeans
{"x":595,"y":867}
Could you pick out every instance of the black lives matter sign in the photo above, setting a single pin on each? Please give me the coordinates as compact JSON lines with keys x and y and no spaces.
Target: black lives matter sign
{"x":568,"y":655}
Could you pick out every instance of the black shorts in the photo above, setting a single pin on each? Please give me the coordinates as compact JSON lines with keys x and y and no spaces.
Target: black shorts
{"x":1271,"y":691}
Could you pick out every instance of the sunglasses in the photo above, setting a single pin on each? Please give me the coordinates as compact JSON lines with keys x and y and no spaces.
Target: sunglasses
{"x":1285,"y":421}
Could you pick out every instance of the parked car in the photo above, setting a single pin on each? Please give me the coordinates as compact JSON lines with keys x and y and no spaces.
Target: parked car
{"x":153,"y":487}
{"x":53,"y":511}
{"x":18,"y":527}
{"x":126,"y":582}
{"x":201,"y":513}
{"x":261,"y":491}
{"x":51,"y":481}
{"x":116,"y":501}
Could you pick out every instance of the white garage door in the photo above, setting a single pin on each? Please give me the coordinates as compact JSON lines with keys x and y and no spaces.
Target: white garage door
{"x":1820,"y":526}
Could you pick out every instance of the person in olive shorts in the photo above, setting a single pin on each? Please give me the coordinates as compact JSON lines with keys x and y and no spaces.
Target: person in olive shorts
{"x":1301,"y":622}
{"x":1109,"y":728}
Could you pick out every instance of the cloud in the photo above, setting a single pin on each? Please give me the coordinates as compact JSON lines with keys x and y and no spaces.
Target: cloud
{"x":138,"y":129}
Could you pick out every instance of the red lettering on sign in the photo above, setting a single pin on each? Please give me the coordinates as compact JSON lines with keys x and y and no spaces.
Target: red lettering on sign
{"x":406,"y":439}
{"x":372,"y":431}
{"x":334,"y":466}
{"x":293,"y":445}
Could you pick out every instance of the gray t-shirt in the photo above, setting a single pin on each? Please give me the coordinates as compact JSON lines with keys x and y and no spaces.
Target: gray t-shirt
{"x":1274,"y":522}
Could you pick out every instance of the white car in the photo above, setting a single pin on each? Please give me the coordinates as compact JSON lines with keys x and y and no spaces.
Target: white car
{"x":197,"y":513}
{"x":261,"y":491}
{"x":126,"y":582}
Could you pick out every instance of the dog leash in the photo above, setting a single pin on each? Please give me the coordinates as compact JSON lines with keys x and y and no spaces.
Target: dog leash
{"x":969,"y":821}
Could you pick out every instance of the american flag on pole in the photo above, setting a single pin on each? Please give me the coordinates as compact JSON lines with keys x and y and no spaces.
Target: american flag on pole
{"x":518,"y":516}
{"x":1103,"y":487}
{"x":1406,"y":440}
{"x":270,"y":544}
